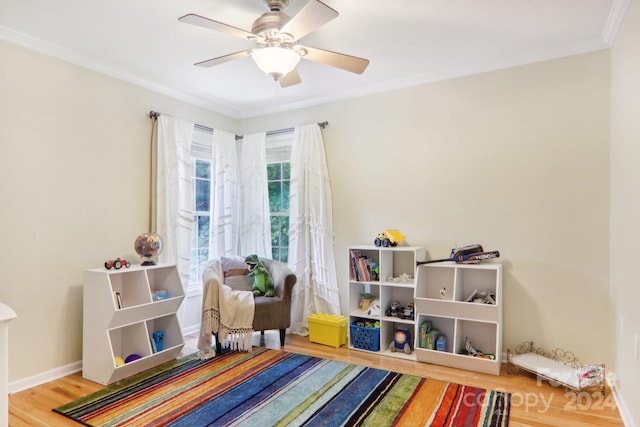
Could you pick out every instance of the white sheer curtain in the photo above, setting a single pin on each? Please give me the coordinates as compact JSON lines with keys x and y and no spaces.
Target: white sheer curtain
{"x":174,"y":192}
{"x":311,"y":230}
{"x":224,"y":226}
{"x":255,"y":233}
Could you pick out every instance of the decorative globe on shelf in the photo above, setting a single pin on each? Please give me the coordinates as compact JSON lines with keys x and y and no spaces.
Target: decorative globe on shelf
{"x":148,"y":246}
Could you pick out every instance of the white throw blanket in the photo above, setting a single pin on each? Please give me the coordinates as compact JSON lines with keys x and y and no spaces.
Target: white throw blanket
{"x":225,"y":312}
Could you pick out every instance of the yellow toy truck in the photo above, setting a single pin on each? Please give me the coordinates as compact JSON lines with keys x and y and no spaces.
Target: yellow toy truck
{"x":388,"y":238}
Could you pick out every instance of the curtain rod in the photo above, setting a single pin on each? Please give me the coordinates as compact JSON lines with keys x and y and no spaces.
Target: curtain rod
{"x":287,"y":130}
{"x":154,"y":116}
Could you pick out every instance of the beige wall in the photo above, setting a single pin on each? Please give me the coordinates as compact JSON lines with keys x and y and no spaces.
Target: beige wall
{"x":625,"y":205}
{"x":516,"y":160}
{"x":74,"y":180}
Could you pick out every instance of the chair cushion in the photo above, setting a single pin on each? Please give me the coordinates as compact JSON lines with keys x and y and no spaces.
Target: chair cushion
{"x":239,"y":283}
{"x":233,"y":266}
{"x":234,"y":262}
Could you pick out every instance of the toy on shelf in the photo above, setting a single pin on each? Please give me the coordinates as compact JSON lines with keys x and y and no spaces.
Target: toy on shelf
{"x":374,"y":309}
{"x":395,"y":309}
{"x":475,"y":352}
{"x":401,"y":340}
{"x":365,"y":300}
{"x":470,"y":254}
{"x":158,"y":341}
{"x":388,"y":238}
{"x":132,"y":358}
{"x":403,"y":278}
{"x":117,"y":264}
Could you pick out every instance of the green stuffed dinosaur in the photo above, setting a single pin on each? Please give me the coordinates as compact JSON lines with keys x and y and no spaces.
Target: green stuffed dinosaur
{"x":262,"y":281}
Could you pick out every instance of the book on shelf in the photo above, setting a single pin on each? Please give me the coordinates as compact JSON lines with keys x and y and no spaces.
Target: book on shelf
{"x":365,"y":268}
{"x":355,"y":255}
{"x":472,"y":296}
{"x":361,"y":269}
{"x":117,"y":299}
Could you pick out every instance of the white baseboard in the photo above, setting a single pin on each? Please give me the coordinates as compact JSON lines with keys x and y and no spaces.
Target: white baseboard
{"x":63,"y":371}
{"x":191,"y":330}
{"x":44,"y":377}
{"x":620,"y":403}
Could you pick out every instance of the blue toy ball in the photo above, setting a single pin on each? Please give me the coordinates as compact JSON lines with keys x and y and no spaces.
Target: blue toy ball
{"x":132,"y":357}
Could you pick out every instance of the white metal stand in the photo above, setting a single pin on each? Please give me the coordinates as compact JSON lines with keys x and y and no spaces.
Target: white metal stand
{"x":6,"y":314}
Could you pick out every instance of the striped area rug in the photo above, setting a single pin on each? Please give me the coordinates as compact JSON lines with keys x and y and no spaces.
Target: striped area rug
{"x":276,"y":388}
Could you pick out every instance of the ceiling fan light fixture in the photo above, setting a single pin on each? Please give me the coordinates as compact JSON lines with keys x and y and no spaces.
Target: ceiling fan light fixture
{"x":275,"y":61}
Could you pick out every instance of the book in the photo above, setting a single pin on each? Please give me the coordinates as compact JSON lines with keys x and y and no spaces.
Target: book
{"x":119,"y":300}
{"x":472,"y":296}
{"x":355,"y":255}
{"x":115,"y":299}
{"x":363,"y":269}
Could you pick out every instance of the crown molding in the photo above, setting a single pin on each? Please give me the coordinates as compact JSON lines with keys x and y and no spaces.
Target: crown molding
{"x":58,"y":52}
{"x":614,"y":20}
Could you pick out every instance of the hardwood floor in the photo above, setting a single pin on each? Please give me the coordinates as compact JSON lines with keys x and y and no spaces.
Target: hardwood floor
{"x":532,"y":404}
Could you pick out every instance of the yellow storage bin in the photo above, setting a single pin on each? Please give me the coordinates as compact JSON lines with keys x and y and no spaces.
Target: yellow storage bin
{"x":328,"y":329}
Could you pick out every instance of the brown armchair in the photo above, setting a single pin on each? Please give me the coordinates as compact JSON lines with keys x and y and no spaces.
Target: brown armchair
{"x":275,"y":312}
{"x":270,"y":312}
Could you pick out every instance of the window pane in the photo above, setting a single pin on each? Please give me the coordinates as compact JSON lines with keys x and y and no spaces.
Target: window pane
{"x":202,"y":195}
{"x":203,"y":256}
{"x":275,"y":191}
{"x":193,"y":267}
{"x":203,"y":231}
{"x":279,"y":188}
{"x":201,"y":175}
{"x":273,"y":171}
{"x":202,"y":169}
{"x":285,"y":230}
{"x":275,"y":231}
{"x":285,"y":196}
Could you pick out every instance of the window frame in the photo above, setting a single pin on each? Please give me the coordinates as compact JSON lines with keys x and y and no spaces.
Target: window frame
{"x":201,"y":146}
{"x":278,"y":151}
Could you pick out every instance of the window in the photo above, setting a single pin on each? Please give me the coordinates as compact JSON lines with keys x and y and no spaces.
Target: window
{"x":201,"y":216}
{"x":278,"y":180}
{"x":278,"y":176}
{"x":201,"y":179}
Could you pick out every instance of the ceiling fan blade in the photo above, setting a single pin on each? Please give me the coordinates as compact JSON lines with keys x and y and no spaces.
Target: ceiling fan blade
{"x":293,"y":78}
{"x":338,"y":60}
{"x":222,"y":59}
{"x":203,"y":22}
{"x":313,"y":15}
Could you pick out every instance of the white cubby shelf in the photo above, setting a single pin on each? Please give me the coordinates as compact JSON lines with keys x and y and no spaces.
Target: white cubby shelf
{"x":393,"y":262}
{"x":120,"y":315}
{"x":444,"y":297}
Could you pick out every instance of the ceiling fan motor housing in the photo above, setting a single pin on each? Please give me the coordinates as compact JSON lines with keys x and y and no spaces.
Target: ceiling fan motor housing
{"x":276,"y":5}
{"x":268,"y":25}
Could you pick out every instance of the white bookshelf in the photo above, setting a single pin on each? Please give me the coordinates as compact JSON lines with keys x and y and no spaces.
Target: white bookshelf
{"x":111,"y":330}
{"x":393,"y":262}
{"x":457,"y":318}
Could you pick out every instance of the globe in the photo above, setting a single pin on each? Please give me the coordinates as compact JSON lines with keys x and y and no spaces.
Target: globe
{"x":148,"y":246}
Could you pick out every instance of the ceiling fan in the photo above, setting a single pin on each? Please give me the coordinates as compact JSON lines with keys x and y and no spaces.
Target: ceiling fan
{"x":277,"y":35}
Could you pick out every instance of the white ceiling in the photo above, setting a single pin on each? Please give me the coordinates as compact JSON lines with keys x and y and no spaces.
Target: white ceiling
{"x":407,"y":41}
